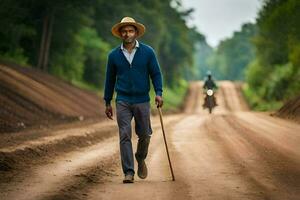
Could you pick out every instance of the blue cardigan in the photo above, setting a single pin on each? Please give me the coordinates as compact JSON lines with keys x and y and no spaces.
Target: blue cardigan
{"x":132,"y":82}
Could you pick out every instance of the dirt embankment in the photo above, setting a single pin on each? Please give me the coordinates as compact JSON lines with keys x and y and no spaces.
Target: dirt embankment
{"x":31,"y":98}
{"x":290,"y":110}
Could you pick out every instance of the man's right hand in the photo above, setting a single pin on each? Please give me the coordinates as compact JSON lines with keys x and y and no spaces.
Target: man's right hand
{"x":159,"y":101}
{"x":109,"y":112}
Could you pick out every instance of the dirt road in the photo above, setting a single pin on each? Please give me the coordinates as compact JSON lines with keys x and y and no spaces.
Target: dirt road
{"x":230,"y":154}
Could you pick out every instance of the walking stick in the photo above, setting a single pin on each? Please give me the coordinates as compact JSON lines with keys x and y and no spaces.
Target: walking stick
{"x":166,"y":145}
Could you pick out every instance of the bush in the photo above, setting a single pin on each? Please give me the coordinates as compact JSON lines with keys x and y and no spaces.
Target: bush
{"x":257,"y":103}
{"x":173,"y":97}
{"x":16,"y":56}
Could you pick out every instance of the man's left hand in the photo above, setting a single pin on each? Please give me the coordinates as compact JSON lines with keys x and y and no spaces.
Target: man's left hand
{"x":159,"y":101}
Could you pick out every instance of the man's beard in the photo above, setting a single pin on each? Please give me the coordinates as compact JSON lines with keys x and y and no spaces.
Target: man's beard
{"x":129,"y":40}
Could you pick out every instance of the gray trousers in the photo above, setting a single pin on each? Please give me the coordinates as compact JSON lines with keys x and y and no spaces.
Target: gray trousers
{"x":141,"y":114}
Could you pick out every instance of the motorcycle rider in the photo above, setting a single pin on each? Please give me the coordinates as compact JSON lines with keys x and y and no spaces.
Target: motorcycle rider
{"x":209,"y":84}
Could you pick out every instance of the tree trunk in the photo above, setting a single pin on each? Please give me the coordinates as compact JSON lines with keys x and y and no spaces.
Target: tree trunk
{"x":46,"y":41}
{"x":43,"y":40}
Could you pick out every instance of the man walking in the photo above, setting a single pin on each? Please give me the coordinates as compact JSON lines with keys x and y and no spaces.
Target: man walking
{"x":129,"y":69}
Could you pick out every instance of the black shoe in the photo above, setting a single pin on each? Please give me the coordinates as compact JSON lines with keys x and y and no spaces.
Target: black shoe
{"x":128,"y":178}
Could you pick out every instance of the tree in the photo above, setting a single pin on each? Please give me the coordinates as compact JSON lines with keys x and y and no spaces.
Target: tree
{"x":233,"y":55}
{"x":277,"y":51}
{"x":71,"y":38}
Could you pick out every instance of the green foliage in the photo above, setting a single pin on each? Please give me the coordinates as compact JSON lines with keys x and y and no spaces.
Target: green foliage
{"x":202,"y":59}
{"x":173,"y":97}
{"x":257,"y":103}
{"x":70,"y":63}
{"x":87,"y":86}
{"x":278,"y":24}
{"x":284,"y":83}
{"x":274,"y":75}
{"x":233,"y":54}
{"x":16,"y":56}
{"x":294,"y":53}
{"x":81,"y":35}
{"x":279,"y":82}
{"x":255,"y":76}
{"x":15,"y":29}
{"x":96,"y":51}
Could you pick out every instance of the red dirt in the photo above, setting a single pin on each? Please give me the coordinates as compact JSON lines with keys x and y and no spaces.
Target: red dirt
{"x":232,"y":153}
{"x":290,"y":110}
{"x":30,"y":98}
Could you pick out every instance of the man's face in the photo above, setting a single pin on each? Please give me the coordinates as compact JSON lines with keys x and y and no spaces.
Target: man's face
{"x":128,"y":34}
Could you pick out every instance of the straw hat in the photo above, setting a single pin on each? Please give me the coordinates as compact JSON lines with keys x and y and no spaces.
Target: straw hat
{"x":128,"y":21}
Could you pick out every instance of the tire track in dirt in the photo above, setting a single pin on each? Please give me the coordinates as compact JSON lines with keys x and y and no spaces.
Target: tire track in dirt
{"x":159,"y":177}
{"x":284,"y":163}
{"x":73,"y":176}
{"x":278,"y":133}
{"x":232,"y":96}
{"x":41,"y":149}
{"x":45,"y":180}
{"x":270,"y":171}
{"x":192,"y":98}
{"x":235,"y":150}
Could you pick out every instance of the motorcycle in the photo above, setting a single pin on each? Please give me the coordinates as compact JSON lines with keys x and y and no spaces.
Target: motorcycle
{"x":209,"y":100}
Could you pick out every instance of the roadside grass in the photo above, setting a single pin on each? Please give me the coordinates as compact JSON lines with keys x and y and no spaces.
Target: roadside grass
{"x":258,"y":104}
{"x":173,"y":97}
{"x":86,"y":86}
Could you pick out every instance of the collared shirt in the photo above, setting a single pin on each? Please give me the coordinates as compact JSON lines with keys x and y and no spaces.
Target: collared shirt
{"x":130,"y":56}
